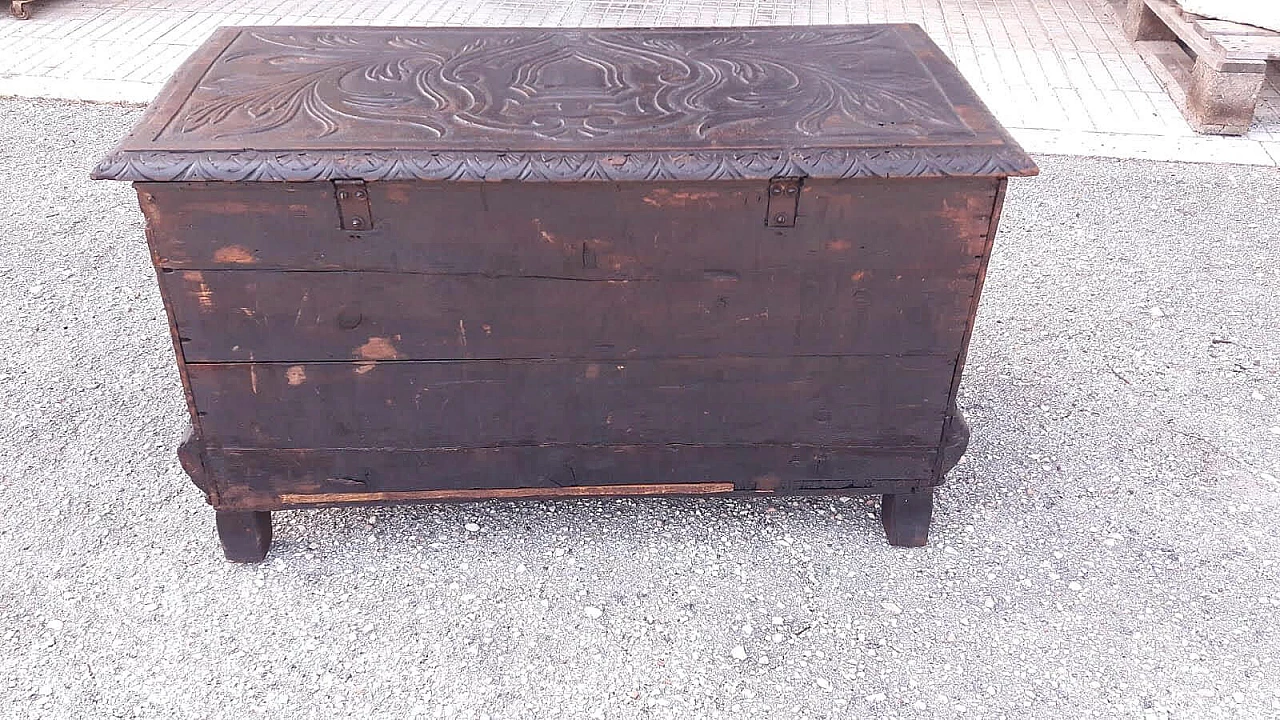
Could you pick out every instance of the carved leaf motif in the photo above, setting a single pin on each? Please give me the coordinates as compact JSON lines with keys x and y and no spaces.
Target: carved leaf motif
{"x":538,"y":105}
{"x":245,"y":166}
{"x":596,"y":87}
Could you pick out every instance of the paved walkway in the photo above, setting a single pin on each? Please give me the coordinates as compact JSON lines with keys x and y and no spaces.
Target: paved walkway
{"x":1058,"y":73}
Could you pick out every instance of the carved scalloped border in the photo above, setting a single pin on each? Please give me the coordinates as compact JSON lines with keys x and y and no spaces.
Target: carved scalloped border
{"x":301,"y":166}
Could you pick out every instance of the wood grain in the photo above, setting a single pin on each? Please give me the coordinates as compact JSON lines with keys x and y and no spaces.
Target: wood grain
{"x":509,"y":494}
{"x":838,"y":400}
{"x":565,"y":105}
{"x":230,"y":316}
{"x":585,"y":231}
{"x":260,"y":478}
{"x":563,"y":281}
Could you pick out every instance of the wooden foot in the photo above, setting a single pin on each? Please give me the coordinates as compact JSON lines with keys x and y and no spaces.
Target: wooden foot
{"x":954,"y":441}
{"x":906,"y":517}
{"x":1140,"y":23}
{"x":1222,"y":102}
{"x":245,"y":536}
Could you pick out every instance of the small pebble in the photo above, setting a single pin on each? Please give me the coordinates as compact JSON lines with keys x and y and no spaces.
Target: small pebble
{"x":824,"y":683}
{"x":472,"y":527}
{"x":876,"y":697}
{"x":891,"y":608}
{"x":592,"y":612}
{"x":739,"y":652}
{"x":1073,"y":585}
{"x":54,"y":625}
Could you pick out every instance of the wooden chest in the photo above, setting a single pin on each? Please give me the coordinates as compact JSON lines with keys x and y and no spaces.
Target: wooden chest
{"x":407,"y":265}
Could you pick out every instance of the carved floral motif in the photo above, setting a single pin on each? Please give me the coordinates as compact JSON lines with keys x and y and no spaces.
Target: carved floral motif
{"x":302,"y":104}
{"x":470,"y":166}
{"x":570,"y":86}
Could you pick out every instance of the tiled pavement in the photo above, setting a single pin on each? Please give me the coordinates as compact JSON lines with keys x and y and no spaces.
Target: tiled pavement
{"x":1058,"y":73}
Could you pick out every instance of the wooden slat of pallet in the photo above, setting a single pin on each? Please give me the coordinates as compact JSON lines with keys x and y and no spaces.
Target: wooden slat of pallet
{"x":1249,"y":47}
{"x":1209,"y":27}
{"x":1206,"y":51}
{"x":1216,"y":90}
{"x":1172,"y":67}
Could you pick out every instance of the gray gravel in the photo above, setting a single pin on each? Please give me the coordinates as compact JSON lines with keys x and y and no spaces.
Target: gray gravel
{"x":1106,"y":549}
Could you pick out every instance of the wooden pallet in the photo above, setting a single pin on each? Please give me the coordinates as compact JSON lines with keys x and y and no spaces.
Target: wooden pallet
{"x":1212,"y":69}
{"x":19,"y":9}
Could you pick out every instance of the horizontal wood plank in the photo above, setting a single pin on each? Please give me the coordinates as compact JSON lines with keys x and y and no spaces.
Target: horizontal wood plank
{"x":268,"y":478}
{"x":582,"y":491}
{"x":1209,"y":27}
{"x":1250,"y":47}
{"x":588,"y":230}
{"x":857,"y":401}
{"x":228,"y":316}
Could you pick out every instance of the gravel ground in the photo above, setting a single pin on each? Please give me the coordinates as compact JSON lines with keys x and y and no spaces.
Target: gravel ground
{"x":1106,"y":549}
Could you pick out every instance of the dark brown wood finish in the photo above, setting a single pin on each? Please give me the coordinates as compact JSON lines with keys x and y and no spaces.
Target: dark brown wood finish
{"x":906,"y":517}
{"x":262,"y":477}
{"x":568,"y":263}
{"x":230,"y":316}
{"x":566,"y":105}
{"x":864,"y":401}
{"x":586,"y":231}
{"x":245,"y":536}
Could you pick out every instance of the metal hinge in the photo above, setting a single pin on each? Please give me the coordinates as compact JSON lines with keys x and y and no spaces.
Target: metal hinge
{"x":784,"y":201}
{"x":353,"y":205}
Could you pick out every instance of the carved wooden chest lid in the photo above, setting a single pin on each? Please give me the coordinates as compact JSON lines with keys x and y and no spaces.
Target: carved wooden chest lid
{"x":299,"y":104}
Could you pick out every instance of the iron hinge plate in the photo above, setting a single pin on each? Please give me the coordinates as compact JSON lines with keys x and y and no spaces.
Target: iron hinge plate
{"x":784,"y":201}
{"x":352,"y":196}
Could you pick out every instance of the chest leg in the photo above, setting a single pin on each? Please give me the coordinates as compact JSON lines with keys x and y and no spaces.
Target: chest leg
{"x":906,"y":517}
{"x":245,"y":536}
